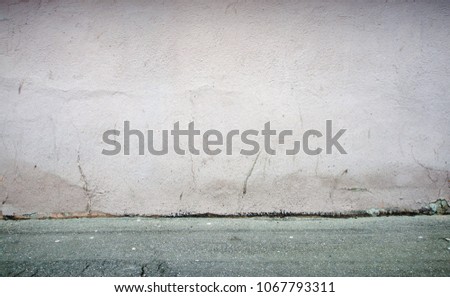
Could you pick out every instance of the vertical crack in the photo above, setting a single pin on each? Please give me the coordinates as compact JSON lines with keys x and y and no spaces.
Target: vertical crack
{"x":19,"y":90}
{"x":194,"y":179}
{"x":335,"y":184}
{"x":87,"y":191}
{"x":5,"y":200}
{"x":244,"y":188}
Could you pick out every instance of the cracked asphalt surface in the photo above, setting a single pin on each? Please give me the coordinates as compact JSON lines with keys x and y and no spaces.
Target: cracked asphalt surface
{"x":260,"y":246}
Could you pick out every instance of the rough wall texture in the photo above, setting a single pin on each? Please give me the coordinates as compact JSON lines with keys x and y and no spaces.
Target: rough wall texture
{"x":69,"y":71}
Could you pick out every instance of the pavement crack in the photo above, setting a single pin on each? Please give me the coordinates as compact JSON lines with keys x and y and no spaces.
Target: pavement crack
{"x":85,"y":268}
{"x":143,"y":270}
{"x":161,"y":269}
{"x":19,"y":273}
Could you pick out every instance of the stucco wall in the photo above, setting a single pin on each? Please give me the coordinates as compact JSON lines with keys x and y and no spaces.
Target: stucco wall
{"x":70,"y":71}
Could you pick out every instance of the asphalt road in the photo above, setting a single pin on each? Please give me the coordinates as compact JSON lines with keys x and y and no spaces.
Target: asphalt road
{"x":382,"y":246}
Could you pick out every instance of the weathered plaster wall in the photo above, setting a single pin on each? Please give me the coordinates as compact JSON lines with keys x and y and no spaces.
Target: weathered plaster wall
{"x":69,"y":71}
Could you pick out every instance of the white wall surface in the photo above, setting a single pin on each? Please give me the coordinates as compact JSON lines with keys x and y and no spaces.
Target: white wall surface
{"x":70,"y":70}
